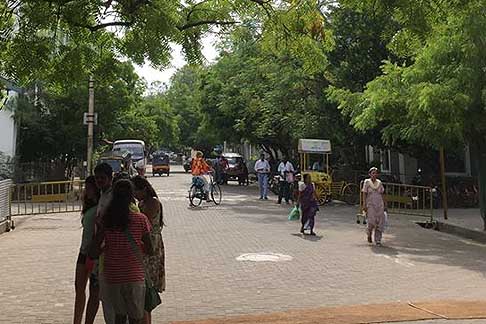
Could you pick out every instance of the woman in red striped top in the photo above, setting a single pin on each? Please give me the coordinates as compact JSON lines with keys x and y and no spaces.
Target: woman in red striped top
{"x":123,"y":272}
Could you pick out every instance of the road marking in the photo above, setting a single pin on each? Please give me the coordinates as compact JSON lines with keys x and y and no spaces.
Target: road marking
{"x":264,"y":257}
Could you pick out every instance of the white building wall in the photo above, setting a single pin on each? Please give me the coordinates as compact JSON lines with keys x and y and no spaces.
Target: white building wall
{"x":8,"y":129}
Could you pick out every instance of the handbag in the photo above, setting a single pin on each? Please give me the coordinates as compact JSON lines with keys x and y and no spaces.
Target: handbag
{"x":152,"y":298}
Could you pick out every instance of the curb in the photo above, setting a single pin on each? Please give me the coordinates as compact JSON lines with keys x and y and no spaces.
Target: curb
{"x":461,"y":232}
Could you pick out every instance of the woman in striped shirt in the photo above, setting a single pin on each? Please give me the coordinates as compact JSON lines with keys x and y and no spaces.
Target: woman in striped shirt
{"x":123,"y":270}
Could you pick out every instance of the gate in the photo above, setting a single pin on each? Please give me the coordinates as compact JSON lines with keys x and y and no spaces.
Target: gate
{"x":46,"y":197}
{"x":406,"y":200}
{"x":4,"y":205}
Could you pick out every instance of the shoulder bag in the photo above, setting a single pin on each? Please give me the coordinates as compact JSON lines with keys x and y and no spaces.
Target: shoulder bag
{"x":152,"y":298}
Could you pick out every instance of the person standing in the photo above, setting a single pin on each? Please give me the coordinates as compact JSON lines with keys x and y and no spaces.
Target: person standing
{"x":151,"y":207}
{"x":286,"y":173}
{"x":104,"y":180}
{"x":262,"y":169}
{"x":125,"y":234}
{"x":84,"y":265}
{"x":374,"y":206}
{"x":307,"y":200}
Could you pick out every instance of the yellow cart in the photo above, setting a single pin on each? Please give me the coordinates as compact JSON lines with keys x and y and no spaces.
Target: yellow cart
{"x":314,"y":160}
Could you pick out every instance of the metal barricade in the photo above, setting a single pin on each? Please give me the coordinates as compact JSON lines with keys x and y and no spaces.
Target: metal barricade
{"x":406,"y":199}
{"x":5,"y":200}
{"x":46,"y":197}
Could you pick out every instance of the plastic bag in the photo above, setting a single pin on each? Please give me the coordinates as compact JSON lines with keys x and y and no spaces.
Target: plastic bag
{"x":294,"y":213}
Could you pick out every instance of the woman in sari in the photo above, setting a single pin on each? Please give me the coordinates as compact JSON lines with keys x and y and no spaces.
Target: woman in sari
{"x":308,"y":204}
{"x":151,"y":207}
{"x":374,"y":206}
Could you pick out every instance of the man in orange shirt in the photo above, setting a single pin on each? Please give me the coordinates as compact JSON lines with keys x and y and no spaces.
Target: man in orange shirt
{"x":199,"y":169}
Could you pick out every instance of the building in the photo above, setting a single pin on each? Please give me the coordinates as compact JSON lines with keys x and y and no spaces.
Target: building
{"x":8,"y":126}
{"x":405,"y":167}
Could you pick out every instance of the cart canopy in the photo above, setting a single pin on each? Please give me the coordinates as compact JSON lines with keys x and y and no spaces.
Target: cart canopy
{"x":314,"y":146}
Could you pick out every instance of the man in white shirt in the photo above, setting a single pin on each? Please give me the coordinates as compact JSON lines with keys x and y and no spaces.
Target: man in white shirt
{"x":262,"y":169}
{"x":286,"y":171}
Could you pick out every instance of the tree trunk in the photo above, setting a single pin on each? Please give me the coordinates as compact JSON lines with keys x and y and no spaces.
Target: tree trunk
{"x":481,"y":153}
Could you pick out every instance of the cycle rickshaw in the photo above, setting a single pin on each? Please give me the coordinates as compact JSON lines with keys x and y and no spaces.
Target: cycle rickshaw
{"x":318,"y":151}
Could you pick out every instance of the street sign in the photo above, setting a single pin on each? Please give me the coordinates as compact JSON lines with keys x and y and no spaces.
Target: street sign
{"x":314,"y":146}
{"x":90,"y":118}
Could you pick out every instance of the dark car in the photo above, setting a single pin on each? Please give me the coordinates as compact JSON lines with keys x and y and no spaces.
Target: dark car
{"x":160,"y":164}
{"x":237,"y":169}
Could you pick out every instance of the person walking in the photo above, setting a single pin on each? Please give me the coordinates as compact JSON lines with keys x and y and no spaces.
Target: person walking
{"x":286,"y":173}
{"x":85,"y":266}
{"x":374,"y":206}
{"x":307,"y":200}
{"x":124,"y":273}
{"x":262,"y":169}
{"x":151,"y":207}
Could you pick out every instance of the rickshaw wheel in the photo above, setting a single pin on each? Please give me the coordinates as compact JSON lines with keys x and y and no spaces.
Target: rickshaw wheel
{"x":321,"y":195}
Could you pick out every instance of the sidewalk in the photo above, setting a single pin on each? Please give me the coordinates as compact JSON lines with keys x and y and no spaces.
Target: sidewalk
{"x":466,"y":223}
{"x":405,"y":312}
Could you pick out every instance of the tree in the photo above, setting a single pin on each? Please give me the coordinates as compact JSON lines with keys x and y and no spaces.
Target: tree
{"x":184,"y":98}
{"x":439,"y":99}
{"x":270,"y":97}
{"x":55,"y":113}
{"x":77,"y":32}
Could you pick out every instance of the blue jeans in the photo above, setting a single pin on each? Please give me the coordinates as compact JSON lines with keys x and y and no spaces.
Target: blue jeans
{"x":263,"y":184}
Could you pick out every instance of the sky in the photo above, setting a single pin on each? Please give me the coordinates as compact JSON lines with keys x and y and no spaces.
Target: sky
{"x":150,"y":74}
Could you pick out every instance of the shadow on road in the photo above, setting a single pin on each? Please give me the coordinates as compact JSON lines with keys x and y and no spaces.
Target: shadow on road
{"x":307,"y":237}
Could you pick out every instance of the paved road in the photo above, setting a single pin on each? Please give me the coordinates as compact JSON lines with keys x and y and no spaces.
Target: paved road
{"x":204,"y":278}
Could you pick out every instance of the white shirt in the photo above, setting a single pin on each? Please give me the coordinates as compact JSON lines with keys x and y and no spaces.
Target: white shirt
{"x":262,"y":166}
{"x":286,"y":167}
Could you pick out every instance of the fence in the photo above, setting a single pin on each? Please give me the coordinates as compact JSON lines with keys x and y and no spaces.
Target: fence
{"x":46,"y":197}
{"x":406,"y":199}
{"x":4,"y":200}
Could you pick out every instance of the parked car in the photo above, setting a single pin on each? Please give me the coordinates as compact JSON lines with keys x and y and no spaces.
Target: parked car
{"x":237,"y":169}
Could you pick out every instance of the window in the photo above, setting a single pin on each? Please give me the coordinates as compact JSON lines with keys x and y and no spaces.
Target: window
{"x":385,"y":159}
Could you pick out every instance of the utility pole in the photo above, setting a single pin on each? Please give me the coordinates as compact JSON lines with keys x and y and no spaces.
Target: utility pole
{"x":90,"y":124}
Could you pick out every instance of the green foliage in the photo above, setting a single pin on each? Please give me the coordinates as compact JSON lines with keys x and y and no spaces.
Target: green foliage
{"x":437,"y":100}
{"x":73,"y":35}
{"x":184,"y":98}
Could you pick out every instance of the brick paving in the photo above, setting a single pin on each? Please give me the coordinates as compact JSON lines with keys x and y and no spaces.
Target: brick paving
{"x":204,"y":280}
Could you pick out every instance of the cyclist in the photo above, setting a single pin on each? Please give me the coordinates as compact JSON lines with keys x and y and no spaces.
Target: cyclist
{"x":199,"y":169}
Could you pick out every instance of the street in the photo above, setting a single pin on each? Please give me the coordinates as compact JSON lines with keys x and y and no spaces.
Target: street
{"x":207,"y":278}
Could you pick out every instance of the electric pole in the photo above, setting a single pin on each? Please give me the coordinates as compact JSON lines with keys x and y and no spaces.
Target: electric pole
{"x":90,"y":122}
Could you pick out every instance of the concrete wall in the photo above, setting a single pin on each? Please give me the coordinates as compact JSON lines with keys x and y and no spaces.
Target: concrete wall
{"x":8,"y":128}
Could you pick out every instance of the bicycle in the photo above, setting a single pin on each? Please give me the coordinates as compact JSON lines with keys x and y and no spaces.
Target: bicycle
{"x":197,"y":193}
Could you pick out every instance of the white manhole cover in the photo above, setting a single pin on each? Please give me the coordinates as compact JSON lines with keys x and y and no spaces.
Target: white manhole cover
{"x":264,"y":257}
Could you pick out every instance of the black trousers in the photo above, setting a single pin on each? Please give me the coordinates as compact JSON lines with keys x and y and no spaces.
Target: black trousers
{"x":284,"y":191}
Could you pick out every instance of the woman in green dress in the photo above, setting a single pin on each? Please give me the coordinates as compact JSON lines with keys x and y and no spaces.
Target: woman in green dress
{"x":84,"y":265}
